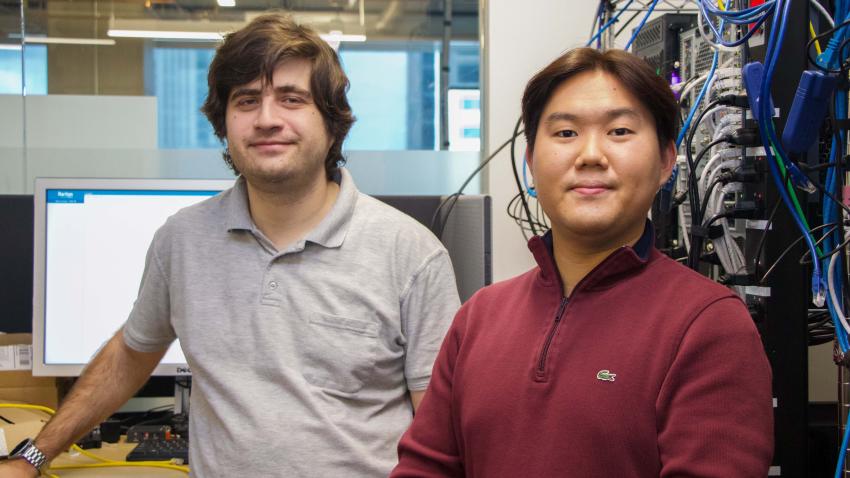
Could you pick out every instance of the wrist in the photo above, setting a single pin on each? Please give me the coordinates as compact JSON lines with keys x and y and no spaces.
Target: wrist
{"x":28,"y":453}
{"x":48,"y":450}
{"x":21,"y":467}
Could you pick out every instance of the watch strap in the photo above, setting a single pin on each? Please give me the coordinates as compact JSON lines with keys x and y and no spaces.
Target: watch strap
{"x":29,"y":452}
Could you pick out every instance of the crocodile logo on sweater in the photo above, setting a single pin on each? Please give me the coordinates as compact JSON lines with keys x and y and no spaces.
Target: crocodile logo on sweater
{"x":605,"y":375}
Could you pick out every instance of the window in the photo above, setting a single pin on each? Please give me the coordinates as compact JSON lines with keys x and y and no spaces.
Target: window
{"x":180,"y":87}
{"x":35,"y":65}
{"x":396,"y":109}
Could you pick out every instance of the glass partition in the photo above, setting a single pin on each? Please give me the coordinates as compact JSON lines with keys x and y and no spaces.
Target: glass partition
{"x":114,"y":88}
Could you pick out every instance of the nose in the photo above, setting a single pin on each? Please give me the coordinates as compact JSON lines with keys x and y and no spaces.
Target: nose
{"x":592,"y":153}
{"x":268,"y":115}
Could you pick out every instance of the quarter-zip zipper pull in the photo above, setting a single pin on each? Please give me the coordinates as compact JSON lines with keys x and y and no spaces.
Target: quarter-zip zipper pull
{"x":541,"y":365}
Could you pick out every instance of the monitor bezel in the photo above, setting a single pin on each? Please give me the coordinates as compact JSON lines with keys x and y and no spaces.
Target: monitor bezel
{"x":42,"y":185}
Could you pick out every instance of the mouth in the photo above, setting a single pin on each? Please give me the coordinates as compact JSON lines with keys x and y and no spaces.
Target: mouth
{"x":270,"y":145}
{"x":590,"y":188}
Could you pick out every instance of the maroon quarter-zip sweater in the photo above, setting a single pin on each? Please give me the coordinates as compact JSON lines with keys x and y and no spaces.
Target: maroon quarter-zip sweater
{"x":648,"y":369}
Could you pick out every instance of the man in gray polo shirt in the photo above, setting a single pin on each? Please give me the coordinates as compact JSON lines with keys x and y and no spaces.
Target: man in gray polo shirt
{"x":309,"y":313}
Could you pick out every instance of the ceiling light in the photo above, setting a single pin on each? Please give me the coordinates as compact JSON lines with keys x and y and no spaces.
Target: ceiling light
{"x":226,"y":3}
{"x":165,"y":35}
{"x":69,"y":41}
{"x":63,"y":40}
{"x":337,"y":36}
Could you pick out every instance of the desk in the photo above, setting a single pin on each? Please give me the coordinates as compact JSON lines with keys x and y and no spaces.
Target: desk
{"x":114,"y":451}
{"x":27,"y":423}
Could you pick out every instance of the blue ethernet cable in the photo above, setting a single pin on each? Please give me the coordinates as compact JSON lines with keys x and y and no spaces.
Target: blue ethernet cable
{"x":830,"y":208}
{"x":702,"y":92}
{"x":597,"y":19}
{"x":708,"y":6}
{"x":841,"y":101}
{"x":797,"y":177}
{"x":641,"y":24}
{"x":668,"y":186}
{"x":768,"y":136}
{"x":718,"y":33}
{"x":830,"y":58}
{"x":530,"y":189}
{"x":610,"y":22}
{"x":829,"y":213}
{"x":839,"y":468}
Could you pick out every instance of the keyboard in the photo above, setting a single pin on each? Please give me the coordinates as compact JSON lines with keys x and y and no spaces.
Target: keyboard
{"x":159,"y":448}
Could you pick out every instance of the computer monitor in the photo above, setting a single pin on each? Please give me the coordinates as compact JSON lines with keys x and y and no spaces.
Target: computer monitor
{"x":465,"y":231}
{"x":90,"y":241}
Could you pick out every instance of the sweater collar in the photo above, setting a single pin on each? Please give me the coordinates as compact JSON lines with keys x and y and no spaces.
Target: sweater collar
{"x":622,"y":261}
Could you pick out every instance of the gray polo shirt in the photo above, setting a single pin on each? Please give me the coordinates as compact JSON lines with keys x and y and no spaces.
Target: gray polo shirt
{"x":301,"y":359}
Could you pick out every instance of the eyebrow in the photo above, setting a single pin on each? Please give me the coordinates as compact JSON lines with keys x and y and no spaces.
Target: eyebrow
{"x":289,"y":88}
{"x":279,"y":90}
{"x":608,"y":115}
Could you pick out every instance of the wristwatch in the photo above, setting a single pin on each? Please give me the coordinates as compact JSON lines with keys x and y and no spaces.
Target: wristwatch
{"x":27,"y":450}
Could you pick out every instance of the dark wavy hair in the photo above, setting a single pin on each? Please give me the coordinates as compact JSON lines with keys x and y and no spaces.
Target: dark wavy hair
{"x":255,"y":51}
{"x":631,"y":71}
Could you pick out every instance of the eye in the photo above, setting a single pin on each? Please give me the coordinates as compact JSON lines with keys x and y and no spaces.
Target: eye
{"x":245,"y":101}
{"x":621,"y":131}
{"x":566,"y":133}
{"x":292,"y":100}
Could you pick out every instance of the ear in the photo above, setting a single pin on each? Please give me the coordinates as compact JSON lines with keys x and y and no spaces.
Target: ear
{"x":668,"y":160}
{"x":529,"y":157}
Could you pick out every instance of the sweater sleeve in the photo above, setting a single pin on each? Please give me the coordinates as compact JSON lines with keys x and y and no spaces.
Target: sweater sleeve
{"x":430,"y":447}
{"x":715,"y":407}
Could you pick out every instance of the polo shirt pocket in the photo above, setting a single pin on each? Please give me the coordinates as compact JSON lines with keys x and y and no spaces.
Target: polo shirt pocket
{"x":339,"y":352}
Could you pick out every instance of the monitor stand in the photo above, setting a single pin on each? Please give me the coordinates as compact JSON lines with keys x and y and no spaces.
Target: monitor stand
{"x":180,"y":420}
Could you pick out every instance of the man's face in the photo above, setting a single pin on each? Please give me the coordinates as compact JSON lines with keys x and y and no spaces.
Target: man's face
{"x":275,"y":132}
{"x":596,"y":160}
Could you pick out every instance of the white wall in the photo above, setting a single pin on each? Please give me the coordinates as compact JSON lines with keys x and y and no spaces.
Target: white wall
{"x":519,"y":39}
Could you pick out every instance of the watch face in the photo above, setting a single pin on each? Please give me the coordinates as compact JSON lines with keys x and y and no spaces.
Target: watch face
{"x":20,"y":446}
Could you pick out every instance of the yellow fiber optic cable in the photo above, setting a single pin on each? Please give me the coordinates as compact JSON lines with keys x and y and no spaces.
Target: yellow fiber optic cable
{"x":104,"y":462}
{"x":817,"y":42}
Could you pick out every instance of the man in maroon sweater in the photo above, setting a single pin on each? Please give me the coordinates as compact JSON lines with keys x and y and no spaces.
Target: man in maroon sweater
{"x":608,"y":359}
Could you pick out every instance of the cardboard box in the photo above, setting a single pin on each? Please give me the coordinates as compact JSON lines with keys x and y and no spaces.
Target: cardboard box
{"x":19,"y":385}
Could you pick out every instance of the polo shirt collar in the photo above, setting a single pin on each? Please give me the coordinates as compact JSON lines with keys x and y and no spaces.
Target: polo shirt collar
{"x":333,"y":228}
{"x":329,"y":233}
{"x":238,"y":212}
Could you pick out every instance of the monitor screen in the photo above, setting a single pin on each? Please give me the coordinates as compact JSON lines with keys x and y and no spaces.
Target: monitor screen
{"x":90,"y":241}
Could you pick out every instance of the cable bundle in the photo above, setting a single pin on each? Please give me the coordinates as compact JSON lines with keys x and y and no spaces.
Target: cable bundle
{"x":715,"y":162}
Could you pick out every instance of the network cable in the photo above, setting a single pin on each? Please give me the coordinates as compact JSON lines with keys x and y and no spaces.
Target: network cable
{"x":610,"y":22}
{"x":754,"y":15}
{"x":101,"y":461}
{"x":440,"y":219}
{"x":641,"y":24}
{"x":773,"y":150}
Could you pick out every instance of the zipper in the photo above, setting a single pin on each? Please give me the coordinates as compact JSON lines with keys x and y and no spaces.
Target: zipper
{"x":541,"y":365}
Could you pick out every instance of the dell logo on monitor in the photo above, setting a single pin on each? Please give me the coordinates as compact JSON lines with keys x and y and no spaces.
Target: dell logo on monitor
{"x":183,"y":370}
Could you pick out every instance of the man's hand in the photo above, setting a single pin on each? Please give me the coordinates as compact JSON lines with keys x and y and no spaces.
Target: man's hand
{"x":111,"y":378}
{"x":17,"y":468}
